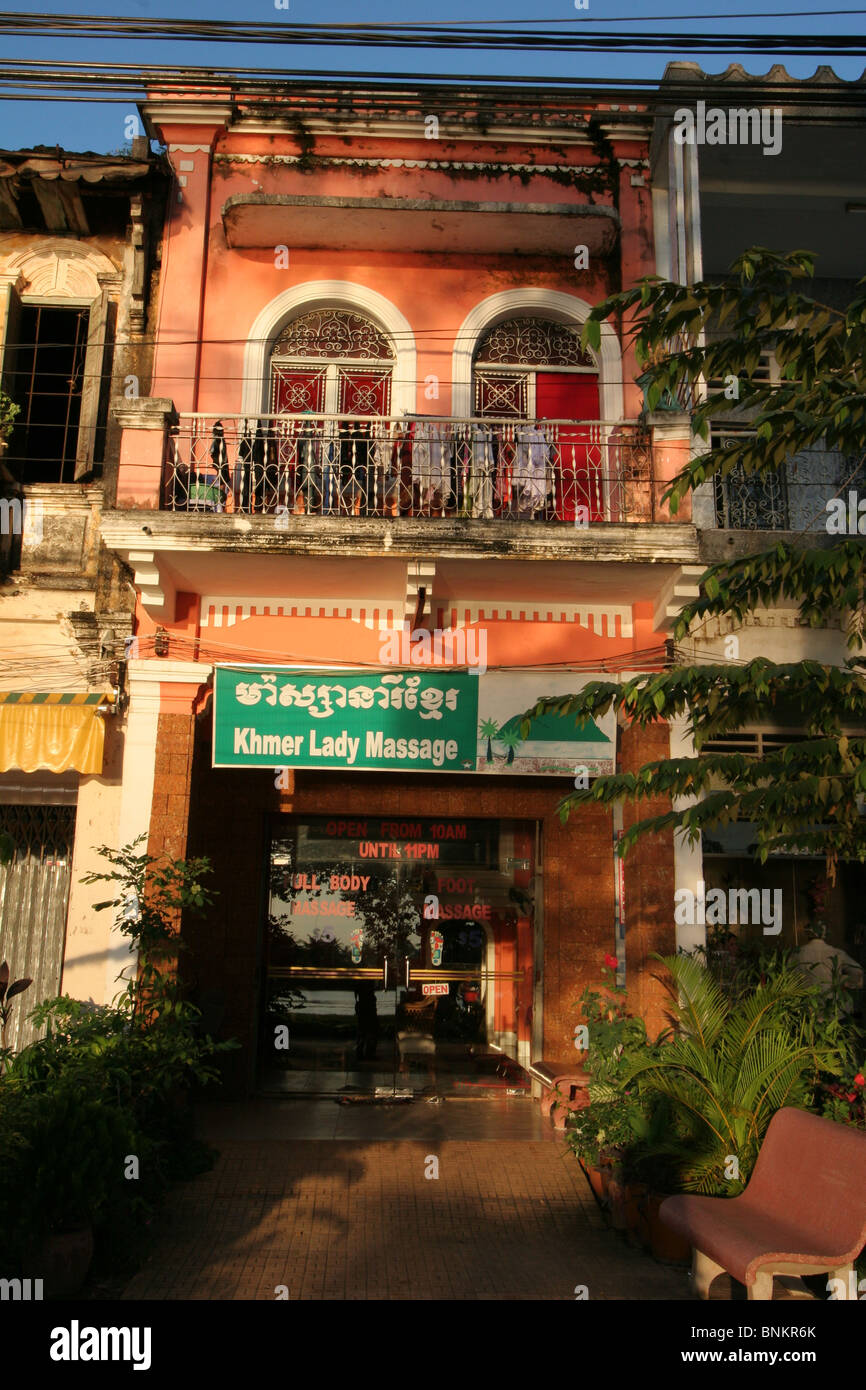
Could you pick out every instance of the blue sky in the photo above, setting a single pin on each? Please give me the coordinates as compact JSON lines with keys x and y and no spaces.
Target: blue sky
{"x":100,"y":126}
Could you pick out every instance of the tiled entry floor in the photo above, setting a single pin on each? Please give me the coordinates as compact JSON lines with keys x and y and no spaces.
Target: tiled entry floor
{"x":332,"y":1202}
{"x":445,"y":1069}
{"x":511,"y":1118}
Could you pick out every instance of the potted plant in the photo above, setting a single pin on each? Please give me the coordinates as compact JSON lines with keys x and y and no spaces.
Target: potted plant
{"x":76,"y":1149}
{"x":595,"y":1135}
{"x":730,"y":1062}
{"x":603,"y":1134}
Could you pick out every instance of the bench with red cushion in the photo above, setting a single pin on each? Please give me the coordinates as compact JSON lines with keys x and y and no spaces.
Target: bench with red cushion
{"x":803,"y":1211}
{"x":565,"y":1089}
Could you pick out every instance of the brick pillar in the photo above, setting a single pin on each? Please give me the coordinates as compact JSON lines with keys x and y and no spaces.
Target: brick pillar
{"x":578,"y":917}
{"x":649,"y":883}
{"x":180,"y":685}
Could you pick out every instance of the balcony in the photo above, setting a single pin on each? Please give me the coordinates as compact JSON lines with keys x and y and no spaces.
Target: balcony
{"x":793,"y":499}
{"x":244,"y":511}
{"x":292,"y":466}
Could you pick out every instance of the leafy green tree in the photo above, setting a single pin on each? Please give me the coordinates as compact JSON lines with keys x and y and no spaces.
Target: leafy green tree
{"x":151,"y":893}
{"x":802,"y":795}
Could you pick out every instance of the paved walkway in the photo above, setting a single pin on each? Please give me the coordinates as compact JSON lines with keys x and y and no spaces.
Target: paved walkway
{"x":333,"y":1202}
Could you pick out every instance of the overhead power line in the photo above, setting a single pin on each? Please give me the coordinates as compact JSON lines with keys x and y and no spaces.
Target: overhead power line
{"x":441,"y":35}
{"x":644,"y":18}
{"x":353,"y":94}
{"x":27,"y":22}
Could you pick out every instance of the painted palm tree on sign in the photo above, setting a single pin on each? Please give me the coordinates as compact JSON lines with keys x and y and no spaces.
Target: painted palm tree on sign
{"x":512,"y":741}
{"x":489,"y":729}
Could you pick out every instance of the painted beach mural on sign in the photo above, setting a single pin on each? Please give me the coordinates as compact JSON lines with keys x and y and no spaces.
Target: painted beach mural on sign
{"x":554,"y":745}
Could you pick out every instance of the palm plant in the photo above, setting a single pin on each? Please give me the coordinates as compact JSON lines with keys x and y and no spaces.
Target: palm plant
{"x":727,"y":1067}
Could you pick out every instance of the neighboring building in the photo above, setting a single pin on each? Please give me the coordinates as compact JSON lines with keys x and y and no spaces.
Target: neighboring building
{"x":76,"y":257}
{"x":711,"y":202}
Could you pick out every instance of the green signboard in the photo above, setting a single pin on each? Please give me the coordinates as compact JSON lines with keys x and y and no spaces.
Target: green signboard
{"x":442,"y":720}
{"x":398,"y":721}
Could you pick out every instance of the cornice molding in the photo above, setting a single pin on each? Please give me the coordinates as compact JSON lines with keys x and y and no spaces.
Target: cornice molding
{"x":602,"y":619}
{"x":390,"y":614}
{"x":414,"y":130}
{"x":226,"y":610}
{"x":370,"y":162}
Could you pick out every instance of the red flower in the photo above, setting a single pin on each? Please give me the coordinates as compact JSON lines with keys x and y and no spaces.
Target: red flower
{"x":860,"y":1079}
{"x":852,"y":1095}
{"x":610,"y":962}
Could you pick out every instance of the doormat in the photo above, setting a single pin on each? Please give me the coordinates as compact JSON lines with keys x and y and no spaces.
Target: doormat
{"x":383,"y":1095}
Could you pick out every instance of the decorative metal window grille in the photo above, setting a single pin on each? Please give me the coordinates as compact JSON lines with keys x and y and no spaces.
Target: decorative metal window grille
{"x":46,"y":378}
{"x":750,"y":501}
{"x":364,"y":391}
{"x":293,"y":392}
{"x":331,"y":334}
{"x":501,"y":396}
{"x":528,"y":342}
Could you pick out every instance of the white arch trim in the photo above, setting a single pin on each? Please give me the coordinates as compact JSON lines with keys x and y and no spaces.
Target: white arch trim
{"x":57,"y":268}
{"x":538,"y":303}
{"x":328,"y":294}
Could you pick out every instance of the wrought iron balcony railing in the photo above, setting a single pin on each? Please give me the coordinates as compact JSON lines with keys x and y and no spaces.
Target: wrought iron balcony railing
{"x":575,"y":472}
{"x":794,"y":498}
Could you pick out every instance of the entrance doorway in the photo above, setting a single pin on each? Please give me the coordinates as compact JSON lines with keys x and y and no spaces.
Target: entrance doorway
{"x":398,"y":956}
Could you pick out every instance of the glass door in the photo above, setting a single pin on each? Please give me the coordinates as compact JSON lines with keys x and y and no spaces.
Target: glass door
{"x":398,"y":956}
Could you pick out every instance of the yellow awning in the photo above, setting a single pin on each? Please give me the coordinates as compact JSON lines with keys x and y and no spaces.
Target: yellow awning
{"x":61,"y":732}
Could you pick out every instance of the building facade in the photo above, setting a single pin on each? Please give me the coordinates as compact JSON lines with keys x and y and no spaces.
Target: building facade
{"x":374,"y":497}
{"x":78,"y":238}
{"x":372,"y":417}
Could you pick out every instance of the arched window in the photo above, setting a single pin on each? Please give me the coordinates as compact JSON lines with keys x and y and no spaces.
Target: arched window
{"x":331,"y":362}
{"x":524,"y":367}
{"x":59,"y":334}
{"x":527,"y":368}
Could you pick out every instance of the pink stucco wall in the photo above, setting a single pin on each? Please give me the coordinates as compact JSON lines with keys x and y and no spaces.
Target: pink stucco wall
{"x":213,"y":293}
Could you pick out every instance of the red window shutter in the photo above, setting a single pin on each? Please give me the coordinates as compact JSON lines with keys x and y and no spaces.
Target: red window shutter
{"x":577,"y":462}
